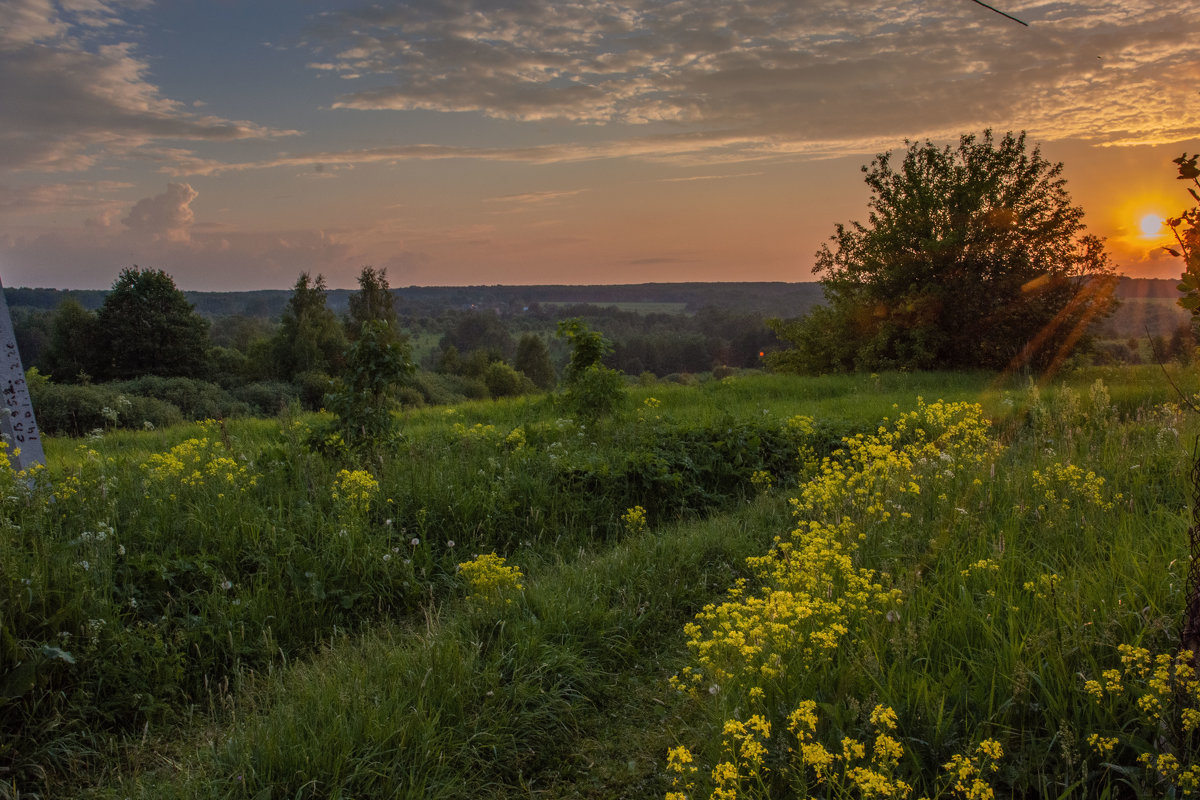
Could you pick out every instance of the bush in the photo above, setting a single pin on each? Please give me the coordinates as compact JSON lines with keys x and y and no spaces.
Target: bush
{"x":504,"y":381}
{"x":313,"y":386}
{"x":595,"y":392}
{"x":75,"y":410}
{"x":267,"y":398}
{"x":196,"y":400}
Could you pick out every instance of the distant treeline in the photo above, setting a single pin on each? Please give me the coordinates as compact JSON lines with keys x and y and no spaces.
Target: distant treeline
{"x":464,"y":337}
{"x":252,"y":352}
{"x":770,"y":299}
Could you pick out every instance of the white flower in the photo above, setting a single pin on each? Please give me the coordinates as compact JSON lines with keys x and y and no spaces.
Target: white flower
{"x":120,"y":549}
{"x":86,"y":566}
{"x":714,"y":689}
{"x":226,"y":585}
{"x":415,"y":541}
{"x":387,"y":556}
{"x":450,"y":543}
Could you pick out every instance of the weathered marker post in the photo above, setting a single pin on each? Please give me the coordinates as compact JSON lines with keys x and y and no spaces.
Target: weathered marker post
{"x":17,"y":423}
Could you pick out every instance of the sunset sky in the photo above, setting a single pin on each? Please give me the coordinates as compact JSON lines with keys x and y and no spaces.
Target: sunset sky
{"x":236,"y":143}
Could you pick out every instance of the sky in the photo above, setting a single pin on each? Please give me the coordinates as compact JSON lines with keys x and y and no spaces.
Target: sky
{"x":237,"y":143}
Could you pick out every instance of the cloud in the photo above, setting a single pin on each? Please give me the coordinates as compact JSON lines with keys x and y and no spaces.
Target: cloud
{"x":683,"y":149}
{"x":53,"y":197}
{"x":710,"y":177}
{"x":72,"y":98}
{"x":165,"y":216}
{"x":535,"y":198}
{"x":208,"y":260}
{"x":825,"y":70}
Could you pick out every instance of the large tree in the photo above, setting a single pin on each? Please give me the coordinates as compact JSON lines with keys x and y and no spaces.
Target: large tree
{"x":972,"y":256}
{"x":147,"y":327}
{"x":73,"y":353}
{"x":310,"y":338}
{"x":372,"y":301}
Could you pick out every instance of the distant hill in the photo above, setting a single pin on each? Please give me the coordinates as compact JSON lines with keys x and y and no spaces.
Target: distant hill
{"x":1146,"y":304}
{"x":769,"y":299}
{"x":1148,"y":307}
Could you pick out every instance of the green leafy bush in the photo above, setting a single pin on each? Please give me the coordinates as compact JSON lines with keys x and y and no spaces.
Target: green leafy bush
{"x":267,"y":398}
{"x":76,"y":410}
{"x":196,"y":400}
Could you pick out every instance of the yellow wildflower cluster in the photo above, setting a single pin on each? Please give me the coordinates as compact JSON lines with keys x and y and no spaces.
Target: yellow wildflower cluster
{"x":490,"y":580}
{"x":1164,"y":694}
{"x":490,"y":434}
{"x":683,"y":771}
{"x":353,"y":490}
{"x":1061,"y":487}
{"x":477,"y":432}
{"x":1045,"y":585}
{"x":762,"y":480}
{"x":817,"y":764}
{"x":982,"y":566}
{"x":810,"y":591}
{"x":811,"y":595}
{"x":634,"y":520}
{"x":197,"y":463}
{"x":869,"y":768}
{"x":515,"y":439}
{"x":968,"y":772}
{"x":800,"y":425}
{"x":871,"y":471}
{"x":801,"y":428}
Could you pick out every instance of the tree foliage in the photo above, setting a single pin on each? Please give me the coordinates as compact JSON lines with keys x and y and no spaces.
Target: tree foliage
{"x":310,"y":338}
{"x":364,"y":399}
{"x":1186,"y":229}
{"x":147,"y":327}
{"x":533,"y":359}
{"x":72,"y":354}
{"x":372,"y":301}
{"x":590,"y":390}
{"x":972,"y":256}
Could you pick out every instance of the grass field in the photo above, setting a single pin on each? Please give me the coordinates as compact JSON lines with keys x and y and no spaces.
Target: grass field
{"x":760,"y":587}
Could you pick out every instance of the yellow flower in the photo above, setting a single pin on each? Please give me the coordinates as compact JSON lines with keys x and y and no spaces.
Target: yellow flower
{"x":634,"y":520}
{"x":491,"y":581}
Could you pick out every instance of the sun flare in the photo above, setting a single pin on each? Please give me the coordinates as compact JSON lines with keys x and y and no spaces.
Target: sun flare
{"x":1151,"y":225}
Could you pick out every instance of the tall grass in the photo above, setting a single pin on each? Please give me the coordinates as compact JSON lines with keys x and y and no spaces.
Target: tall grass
{"x":141,"y":595}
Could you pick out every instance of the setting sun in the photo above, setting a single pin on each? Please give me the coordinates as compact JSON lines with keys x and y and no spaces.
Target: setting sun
{"x":1151,"y":225}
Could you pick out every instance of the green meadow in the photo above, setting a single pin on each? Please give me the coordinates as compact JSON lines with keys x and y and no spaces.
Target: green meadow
{"x":893,"y":585}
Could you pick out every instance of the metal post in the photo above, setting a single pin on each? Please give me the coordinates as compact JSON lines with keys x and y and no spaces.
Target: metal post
{"x":17,"y":423}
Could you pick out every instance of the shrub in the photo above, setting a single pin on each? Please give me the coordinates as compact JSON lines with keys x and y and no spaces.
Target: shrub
{"x":267,"y":398}
{"x":75,"y":410}
{"x":195,"y":399}
{"x":504,"y":381}
{"x":313,"y":386}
